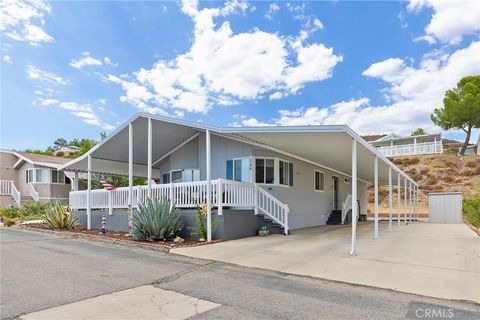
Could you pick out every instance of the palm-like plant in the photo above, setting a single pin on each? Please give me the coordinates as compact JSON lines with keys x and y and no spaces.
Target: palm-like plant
{"x":57,"y":216}
{"x":156,"y":221}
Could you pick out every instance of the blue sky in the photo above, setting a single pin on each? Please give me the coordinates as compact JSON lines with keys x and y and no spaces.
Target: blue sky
{"x":76,"y":69}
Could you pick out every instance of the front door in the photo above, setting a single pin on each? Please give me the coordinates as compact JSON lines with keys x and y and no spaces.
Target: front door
{"x":335,"y":192}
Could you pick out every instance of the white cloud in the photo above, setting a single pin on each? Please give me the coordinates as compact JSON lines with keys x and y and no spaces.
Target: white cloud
{"x":23,"y":20}
{"x":273,"y":8}
{"x":450,"y":21}
{"x":276,"y":95}
{"x":7,"y":59}
{"x":387,"y":70}
{"x":41,"y":75}
{"x":87,"y":60}
{"x":83,"y":111}
{"x":413,"y":91}
{"x":222,"y":67}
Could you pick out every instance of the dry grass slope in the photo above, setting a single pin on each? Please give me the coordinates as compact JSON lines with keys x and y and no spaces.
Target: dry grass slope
{"x":435,"y":173}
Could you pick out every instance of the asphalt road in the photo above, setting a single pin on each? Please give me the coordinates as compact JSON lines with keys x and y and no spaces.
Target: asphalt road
{"x":41,"y":270}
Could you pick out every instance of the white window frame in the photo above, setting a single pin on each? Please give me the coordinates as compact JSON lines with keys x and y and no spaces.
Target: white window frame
{"x":277,"y":169}
{"x":183,"y":174}
{"x":57,"y":172}
{"x":33,"y":176}
{"x":254,"y":170}
{"x":315,"y":171}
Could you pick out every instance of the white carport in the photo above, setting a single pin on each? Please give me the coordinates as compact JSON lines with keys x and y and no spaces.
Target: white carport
{"x":138,"y":146}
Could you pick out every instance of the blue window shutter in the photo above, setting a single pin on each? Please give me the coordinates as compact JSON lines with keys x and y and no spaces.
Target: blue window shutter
{"x":229,"y":169}
{"x":290,"y":172}
{"x":166,"y":178}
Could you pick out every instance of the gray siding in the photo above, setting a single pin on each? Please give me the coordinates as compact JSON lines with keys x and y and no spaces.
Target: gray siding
{"x":307,"y":206}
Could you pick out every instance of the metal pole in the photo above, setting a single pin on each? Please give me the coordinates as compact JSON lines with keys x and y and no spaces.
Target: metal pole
{"x":410,"y":203}
{"x":375,"y":166}
{"x":405,"y":203}
{"x":399,"y":202}
{"x":354,"y":198}
{"x":149,"y":160}
{"x":89,"y":188}
{"x":390,"y":198}
{"x":130,"y":174}
{"x":209,"y":187}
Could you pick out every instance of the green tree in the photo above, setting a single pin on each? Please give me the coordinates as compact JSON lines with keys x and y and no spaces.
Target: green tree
{"x":59,"y":143}
{"x":461,"y":108}
{"x":85,"y":145}
{"x":418,"y":132}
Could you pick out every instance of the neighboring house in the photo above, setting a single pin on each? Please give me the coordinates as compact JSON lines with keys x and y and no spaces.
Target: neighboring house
{"x":394,"y":145}
{"x":26,"y":176}
{"x":283,"y":177}
{"x":67,"y":151}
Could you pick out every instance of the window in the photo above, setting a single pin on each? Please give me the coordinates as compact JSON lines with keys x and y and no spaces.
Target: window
{"x":285,"y":173}
{"x":166,"y":178}
{"x":185,"y":175}
{"x":41,"y":175}
{"x":29,"y":176}
{"x":264,"y":170}
{"x":319,"y":183}
{"x":58,"y":176}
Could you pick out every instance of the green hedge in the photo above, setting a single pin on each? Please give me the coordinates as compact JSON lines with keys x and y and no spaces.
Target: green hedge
{"x":471,"y":211}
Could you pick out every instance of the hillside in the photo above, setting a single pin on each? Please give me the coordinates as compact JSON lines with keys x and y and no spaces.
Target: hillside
{"x":435,"y":173}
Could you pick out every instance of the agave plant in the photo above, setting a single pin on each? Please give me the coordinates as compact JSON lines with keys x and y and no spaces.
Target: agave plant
{"x":57,"y":216}
{"x":155,"y":221}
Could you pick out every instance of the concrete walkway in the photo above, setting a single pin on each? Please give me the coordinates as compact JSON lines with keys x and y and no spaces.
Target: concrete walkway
{"x":437,"y":260}
{"x":145,"y":302}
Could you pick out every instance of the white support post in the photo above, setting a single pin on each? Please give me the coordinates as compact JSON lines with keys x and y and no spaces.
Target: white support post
{"x":410,"y":208}
{"x":255,"y":199}
{"x":209,"y":187}
{"x":415,"y":145}
{"x":149,"y":160}
{"x":171,"y":194}
{"x":89,"y":189}
{"x":405,"y":203}
{"x":220,"y":196}
{"x":130,"y":175}
{"x":390,"y":199}
{"x":375,"y":166}
{"x":110,"y":202}
{"x":435,"y":145}
{"x":354,"y":198}
{"x":399,"y":199}
{"x":75,"y":181}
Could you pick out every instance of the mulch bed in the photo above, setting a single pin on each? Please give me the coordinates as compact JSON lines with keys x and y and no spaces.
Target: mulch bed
{"x":124,"y":237}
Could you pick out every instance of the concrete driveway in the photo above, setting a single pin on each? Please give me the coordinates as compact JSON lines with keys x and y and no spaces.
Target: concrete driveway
{"x":437,"y":260}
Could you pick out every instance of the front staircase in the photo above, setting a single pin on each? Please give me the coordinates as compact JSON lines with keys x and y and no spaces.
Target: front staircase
{"x":335,"y":217}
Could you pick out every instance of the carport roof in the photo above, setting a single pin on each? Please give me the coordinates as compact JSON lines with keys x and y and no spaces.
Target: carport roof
{"x":327,"y":146}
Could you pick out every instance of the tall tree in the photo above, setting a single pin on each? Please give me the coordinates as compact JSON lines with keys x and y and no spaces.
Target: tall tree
{"x":461,"y":108}
{"x":59,"y":143}
{"x":418,"y":132}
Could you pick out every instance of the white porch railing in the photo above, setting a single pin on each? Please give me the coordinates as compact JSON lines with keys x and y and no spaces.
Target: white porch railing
{"x":347,"y":205}
{"x":8,"y":188}
{"x":34,"y":193}
{"x":224,"y":193}
{"x":412,"y":149}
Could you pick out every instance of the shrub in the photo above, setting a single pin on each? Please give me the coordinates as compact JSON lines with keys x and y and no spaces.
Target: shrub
{"x":156,"y":221}
{"x":472,"y":164}
{"x":34,"y":209}
{"x":413,"y":160}
{"x":200,"y":231}
{"x":424,"y":171}
{"x":57,"y":216}
{"x":10,"y":221}
{"x":60,"y":154}
{"x":10,"y":213}
{"x":448,"y":179}
{"x":471,"y":211}
{"x":468,"y":172}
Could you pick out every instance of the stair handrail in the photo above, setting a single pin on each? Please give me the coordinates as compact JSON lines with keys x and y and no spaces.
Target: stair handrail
{"x":272,"y":208}
{"x":347,"y":205}
{"x":34,"y":193}
{"x":15,"y":193}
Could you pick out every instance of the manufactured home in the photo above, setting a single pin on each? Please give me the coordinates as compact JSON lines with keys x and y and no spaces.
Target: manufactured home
{"x":285,"y":178}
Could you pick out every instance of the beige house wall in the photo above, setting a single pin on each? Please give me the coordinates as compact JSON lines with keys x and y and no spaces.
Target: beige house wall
{"x":7,"y":160}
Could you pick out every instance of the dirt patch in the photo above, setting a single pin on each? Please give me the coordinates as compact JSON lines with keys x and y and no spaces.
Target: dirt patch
{"x":123,"y":237}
